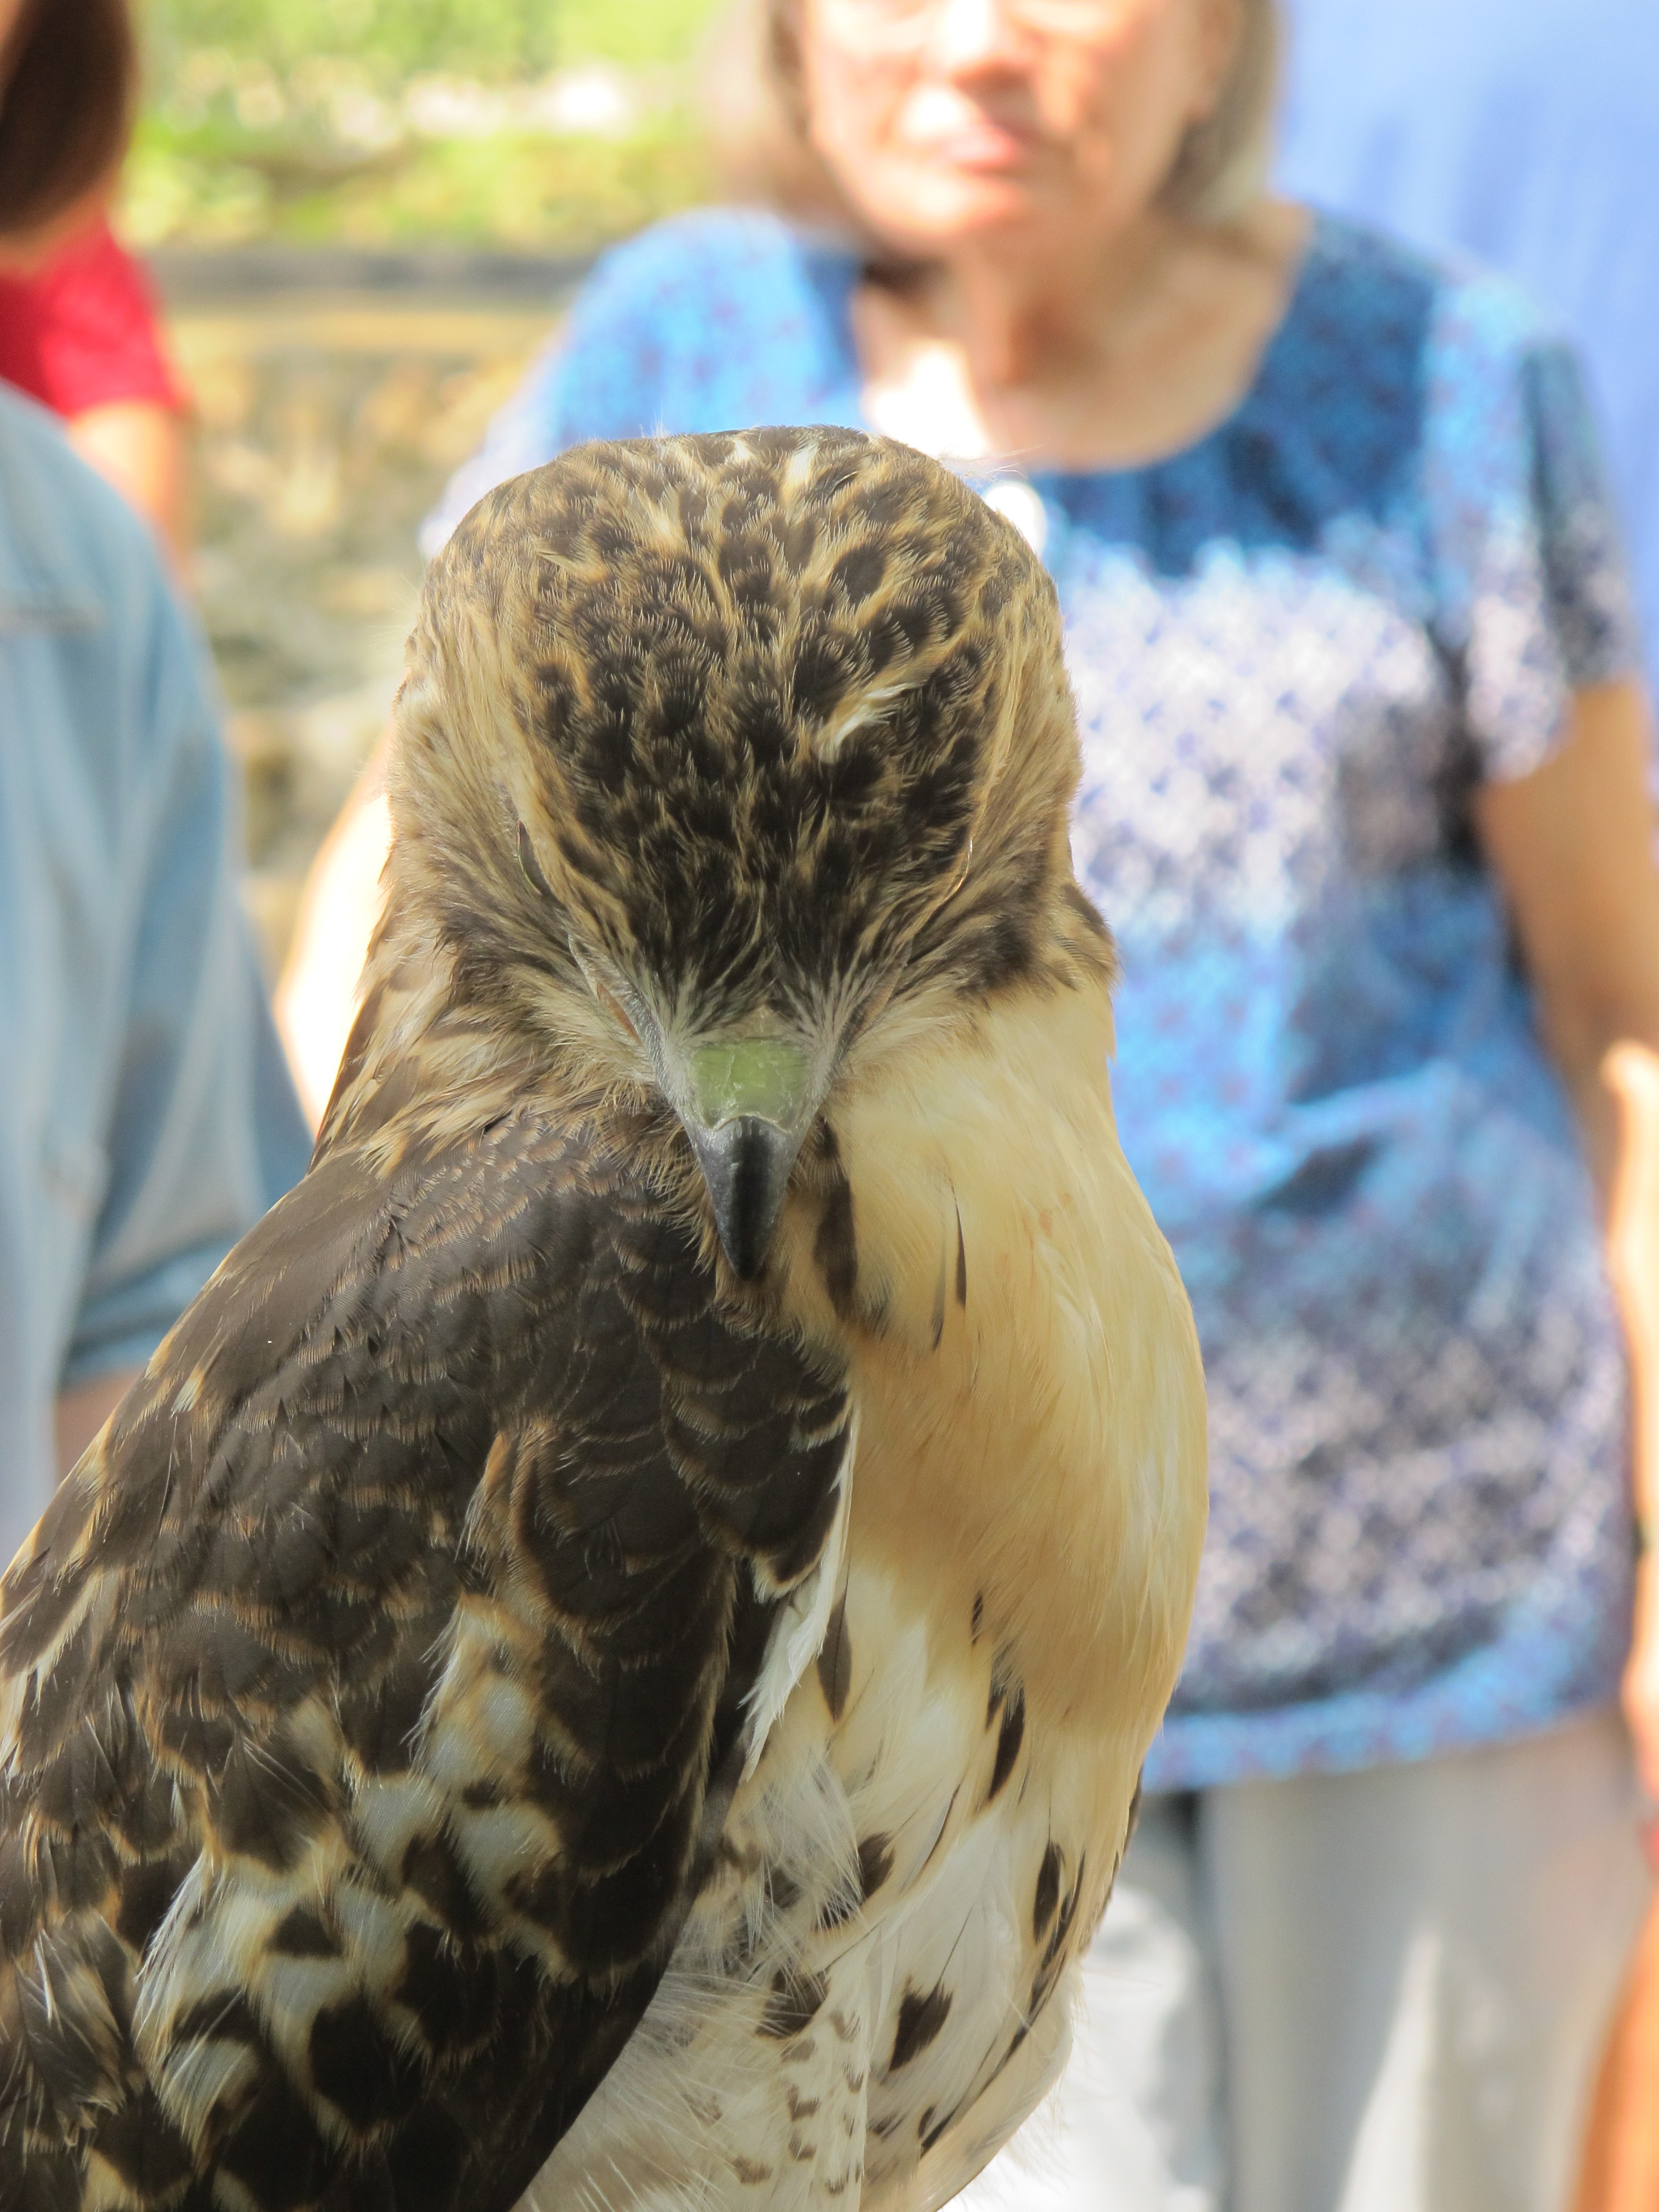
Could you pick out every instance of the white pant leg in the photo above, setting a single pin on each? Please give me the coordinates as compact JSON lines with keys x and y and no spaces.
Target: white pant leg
{"x":1133,"y":2126}
{"x":1418,"y":1964}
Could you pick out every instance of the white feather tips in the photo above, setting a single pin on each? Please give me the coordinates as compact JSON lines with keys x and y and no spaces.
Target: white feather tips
{"x":803,"y":1621}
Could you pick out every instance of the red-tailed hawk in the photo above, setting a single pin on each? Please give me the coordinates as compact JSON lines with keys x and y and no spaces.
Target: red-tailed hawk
{"x":615,"y":1641}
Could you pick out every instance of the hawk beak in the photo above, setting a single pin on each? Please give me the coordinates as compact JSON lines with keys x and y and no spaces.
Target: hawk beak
{"x":746,"y":1165}
{"x":750,"y":1101}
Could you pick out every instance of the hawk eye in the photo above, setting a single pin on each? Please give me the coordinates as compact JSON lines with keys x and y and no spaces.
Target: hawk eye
{"x":532,"y":865}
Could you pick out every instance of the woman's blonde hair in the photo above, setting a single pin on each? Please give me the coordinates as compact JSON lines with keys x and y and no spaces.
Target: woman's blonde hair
{"x":757,"y":109}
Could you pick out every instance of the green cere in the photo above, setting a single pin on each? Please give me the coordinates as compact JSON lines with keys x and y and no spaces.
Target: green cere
{"x":768,"y":1077}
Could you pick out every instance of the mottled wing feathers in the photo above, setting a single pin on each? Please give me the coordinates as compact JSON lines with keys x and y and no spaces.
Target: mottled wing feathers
{"x":371,"y":1692}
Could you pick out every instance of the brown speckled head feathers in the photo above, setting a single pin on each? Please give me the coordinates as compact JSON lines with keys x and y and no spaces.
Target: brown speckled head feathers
{"x":764,"y":690}
{"x":765,"y":726}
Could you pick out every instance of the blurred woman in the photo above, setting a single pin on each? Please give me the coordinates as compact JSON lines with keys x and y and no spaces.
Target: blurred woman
{"x":1363,"y":801}
{"x":77,"y":323}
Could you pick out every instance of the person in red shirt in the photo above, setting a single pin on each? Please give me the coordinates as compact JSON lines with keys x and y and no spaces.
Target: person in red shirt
{"x":78,"y":326}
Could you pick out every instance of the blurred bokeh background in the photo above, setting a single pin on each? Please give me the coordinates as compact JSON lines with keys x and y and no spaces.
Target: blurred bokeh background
{"x":364,"y":216}
{"x":531,"y":123}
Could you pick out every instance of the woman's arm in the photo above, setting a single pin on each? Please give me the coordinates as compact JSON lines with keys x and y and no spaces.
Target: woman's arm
{"x":138,"y":445}
{"x":316,"y":999}
{"x":1574,"y":847}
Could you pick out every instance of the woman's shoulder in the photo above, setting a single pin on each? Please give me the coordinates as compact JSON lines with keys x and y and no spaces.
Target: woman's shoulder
{"x":1460,"y":395}
{"x":1491,"y":388}
{"x":712,"y":261}
{"x":97,"y":334}
{"x":723,"y":317}
{"x":1390,"y":360}
{"x":1371,"y":293}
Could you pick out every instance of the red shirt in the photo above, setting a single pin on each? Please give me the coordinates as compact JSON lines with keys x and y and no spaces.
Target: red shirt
{"x":81,"y":331}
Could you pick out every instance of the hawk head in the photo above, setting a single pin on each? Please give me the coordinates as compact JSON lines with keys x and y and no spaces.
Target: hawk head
{"x":723,"y":763}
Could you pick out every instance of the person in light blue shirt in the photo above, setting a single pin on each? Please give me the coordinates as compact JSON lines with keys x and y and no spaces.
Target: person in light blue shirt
{"x":146,"y":1117}
{"x":1522,"y":134}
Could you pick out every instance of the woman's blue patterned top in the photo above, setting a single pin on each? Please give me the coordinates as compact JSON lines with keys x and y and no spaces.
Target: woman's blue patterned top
{"x":1297,"y":646}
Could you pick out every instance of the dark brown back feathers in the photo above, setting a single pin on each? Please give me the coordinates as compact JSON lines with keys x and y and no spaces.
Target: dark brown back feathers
{"x":439,"y":1510}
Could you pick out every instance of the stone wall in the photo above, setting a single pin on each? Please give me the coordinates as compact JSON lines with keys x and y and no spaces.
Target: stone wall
{"x":328,"y":417}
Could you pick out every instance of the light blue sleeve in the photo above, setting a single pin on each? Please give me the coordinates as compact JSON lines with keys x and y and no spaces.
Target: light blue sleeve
{"x":716,"y":320}
{"x":1535,"y":595}
{"x":203,"y":1131}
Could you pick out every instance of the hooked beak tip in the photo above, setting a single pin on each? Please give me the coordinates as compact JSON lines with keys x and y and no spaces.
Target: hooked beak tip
{"x":746,"y":1165}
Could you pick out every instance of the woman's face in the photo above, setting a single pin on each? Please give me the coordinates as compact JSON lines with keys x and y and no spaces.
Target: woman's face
{"x":945,"y":120}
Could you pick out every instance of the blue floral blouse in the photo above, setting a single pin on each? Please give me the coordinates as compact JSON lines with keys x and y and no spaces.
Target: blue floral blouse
{"x":1297,"y":646}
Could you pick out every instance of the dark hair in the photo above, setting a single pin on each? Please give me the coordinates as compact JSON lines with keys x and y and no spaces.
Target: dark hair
{"x":68,"y":75}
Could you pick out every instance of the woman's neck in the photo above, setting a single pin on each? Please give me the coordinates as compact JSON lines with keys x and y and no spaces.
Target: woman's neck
{"x":1018,"y":318}
{"x":1108,"y":355}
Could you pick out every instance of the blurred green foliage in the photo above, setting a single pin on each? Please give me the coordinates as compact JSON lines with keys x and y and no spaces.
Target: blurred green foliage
{"x":489,"y":38}
{"x":303,"y":119}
